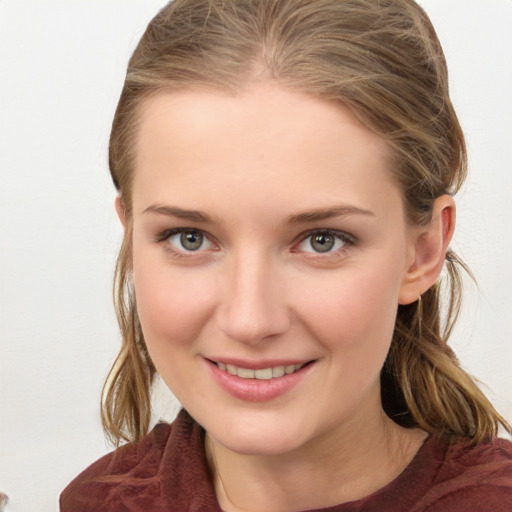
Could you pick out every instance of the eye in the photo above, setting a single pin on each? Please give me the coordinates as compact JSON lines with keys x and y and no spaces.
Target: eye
{"x":325,"y":242}
{"x":188,"y":240}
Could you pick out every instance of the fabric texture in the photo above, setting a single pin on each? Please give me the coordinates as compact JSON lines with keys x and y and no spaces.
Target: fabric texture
{"x":166,"y":472}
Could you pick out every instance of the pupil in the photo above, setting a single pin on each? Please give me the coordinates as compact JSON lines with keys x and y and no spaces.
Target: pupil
{"x":322,"y":242}
{"x":191,"y":240}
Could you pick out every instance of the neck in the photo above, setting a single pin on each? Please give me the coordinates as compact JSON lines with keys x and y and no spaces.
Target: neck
{"x":360,"y":458}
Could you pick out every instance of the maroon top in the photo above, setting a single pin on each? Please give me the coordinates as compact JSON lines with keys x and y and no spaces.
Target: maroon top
{"x":166,"y":472}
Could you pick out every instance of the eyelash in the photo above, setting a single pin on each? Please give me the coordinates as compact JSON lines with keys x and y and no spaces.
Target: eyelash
{"x":347,"y":239}
{"x":165,"y":235}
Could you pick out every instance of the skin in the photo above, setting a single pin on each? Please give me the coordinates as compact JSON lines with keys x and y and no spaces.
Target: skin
{"x":256,"y":290}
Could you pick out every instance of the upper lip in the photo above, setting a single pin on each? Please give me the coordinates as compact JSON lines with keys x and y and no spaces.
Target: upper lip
{"x":258,"y":365}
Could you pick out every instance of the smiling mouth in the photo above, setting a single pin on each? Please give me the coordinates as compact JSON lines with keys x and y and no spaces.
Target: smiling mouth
{"x":273,"y":372}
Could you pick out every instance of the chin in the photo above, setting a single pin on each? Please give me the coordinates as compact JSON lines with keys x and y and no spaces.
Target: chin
{"x":260,"y":445}
{"x":260,"y":436}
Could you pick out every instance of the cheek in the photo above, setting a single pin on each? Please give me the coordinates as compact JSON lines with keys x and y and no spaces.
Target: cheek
{"x":354,"y":311}
{"x":173,"y":308}
{"x":173,"y":304}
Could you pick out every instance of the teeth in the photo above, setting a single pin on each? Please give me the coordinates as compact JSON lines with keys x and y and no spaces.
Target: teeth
{"x":262,"y":374}
{"x":231,"y":369}
{"x":289,"y":369}
{"x":245,"y":373}
{"x":278,"y":371}
{"x":265,"y":374}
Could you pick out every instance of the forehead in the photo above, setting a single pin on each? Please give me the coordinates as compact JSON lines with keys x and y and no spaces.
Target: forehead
{"x":267,"y":143}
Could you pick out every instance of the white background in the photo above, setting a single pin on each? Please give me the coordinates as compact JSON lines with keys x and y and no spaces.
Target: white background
{"x":62,"y":65}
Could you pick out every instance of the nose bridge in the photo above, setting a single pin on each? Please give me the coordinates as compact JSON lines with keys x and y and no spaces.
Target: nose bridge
{"x":253,"y":305}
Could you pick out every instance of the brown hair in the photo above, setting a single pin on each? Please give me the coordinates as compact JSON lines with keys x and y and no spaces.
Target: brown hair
{"x":383,"y":60}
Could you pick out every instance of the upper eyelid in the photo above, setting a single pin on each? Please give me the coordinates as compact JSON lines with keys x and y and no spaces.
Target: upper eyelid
{"x":166,"y":233}
{"x":337,"y":232}
{"x":345,"y":236}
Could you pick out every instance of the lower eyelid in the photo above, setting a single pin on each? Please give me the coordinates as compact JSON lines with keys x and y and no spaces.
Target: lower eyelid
{"x":164,"y":237}
{"x":345,"y":238}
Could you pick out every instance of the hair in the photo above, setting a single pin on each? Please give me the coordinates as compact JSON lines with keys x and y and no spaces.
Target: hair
{"x":383,"y":60}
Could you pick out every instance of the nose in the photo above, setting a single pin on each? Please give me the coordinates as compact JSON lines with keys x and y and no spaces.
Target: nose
{"x":253,"y":307}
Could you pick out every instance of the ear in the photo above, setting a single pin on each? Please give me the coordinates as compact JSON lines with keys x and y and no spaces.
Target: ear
{"x":119,"y":204}
{"x":429,"y":245}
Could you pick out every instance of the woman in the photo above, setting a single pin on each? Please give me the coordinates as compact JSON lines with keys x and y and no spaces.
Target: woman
{"x":285,"y":172}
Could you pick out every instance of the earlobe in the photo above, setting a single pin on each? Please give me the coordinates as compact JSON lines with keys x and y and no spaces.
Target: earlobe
{"x":429,"y":248}
{"x":119,"y":205}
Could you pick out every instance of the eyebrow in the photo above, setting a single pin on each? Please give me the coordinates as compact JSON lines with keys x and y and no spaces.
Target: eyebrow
{"x":327,"y":213}
{"x":180,"y":213}
{"x":298,"y":218}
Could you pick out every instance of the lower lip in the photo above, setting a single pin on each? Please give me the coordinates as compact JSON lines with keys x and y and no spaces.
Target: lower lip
{"x":255,"y":390}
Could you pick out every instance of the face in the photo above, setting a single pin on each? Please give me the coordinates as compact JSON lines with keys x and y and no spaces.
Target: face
{"x":269,"y":254}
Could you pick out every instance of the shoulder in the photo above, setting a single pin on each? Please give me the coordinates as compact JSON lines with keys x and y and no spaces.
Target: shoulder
{"x":448,"y":477}
{"x":476,"y":478}
{"x":120,"y":468}
{"x":150,"y":474}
